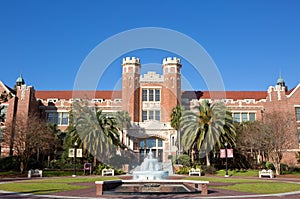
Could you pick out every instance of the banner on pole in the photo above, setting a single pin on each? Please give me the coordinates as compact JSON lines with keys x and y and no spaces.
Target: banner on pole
{"x":229,"y":153}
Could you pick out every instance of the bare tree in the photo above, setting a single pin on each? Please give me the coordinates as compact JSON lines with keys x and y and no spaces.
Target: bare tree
{"x":279,"y":131}
{"x":250,"y":139}
{"x":31,"y":136}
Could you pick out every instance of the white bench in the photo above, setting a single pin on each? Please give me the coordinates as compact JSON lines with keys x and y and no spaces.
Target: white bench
{"x":266,"y":173}
{"x":35,"y":173}
{"x":108,"y":171}
{"x":193,"y":171}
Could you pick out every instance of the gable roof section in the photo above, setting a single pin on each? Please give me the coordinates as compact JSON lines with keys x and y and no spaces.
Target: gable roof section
{"x":292,"y":91}
{"x":78,"y":94}
{"x":6,"y":88}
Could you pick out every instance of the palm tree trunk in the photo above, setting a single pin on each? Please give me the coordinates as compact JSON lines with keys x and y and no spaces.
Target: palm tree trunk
{"x":207,"y":159}
{"x":193,"y":156}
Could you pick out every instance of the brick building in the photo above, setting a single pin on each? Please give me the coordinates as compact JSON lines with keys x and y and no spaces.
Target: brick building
{"x":149,"y":99}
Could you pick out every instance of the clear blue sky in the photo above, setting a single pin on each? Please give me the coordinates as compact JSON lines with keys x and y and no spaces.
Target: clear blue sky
{"x":251,"y":42}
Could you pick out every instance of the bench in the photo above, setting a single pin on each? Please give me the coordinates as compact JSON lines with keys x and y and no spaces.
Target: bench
{"x":268,"y":173}
{"x":193,"y":171}
{"x":35,"y":173}
{"x":108,"y":171}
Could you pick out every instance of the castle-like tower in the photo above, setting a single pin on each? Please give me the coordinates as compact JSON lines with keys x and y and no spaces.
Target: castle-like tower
{"x":131,"y":87}
{"x":152,"y":96}
{"x":171,"y":91}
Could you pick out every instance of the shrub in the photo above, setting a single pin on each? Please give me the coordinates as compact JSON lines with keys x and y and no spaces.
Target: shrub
{"x":100,"y":167}
{"x":284,"y":167}
{"x":208,"y":169}
{"x":270,"y":165}
{"x":10,"y":163}
{"x":183,"y":170}
{"x":184,"y":159}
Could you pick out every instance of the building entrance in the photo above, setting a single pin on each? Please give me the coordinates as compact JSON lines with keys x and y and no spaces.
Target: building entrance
{"x":156,"y":145}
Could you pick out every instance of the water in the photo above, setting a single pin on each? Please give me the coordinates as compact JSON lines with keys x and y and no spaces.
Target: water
{"x":150,"y":169}
{"x":155,"y":188}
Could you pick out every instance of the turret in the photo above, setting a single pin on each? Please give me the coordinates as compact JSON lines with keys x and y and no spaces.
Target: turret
{"x":20,"y":81}
{"x":130,"y":86}
{"x":172,"y":85}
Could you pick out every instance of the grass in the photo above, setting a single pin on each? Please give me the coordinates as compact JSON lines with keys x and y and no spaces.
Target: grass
{"x":223,"y":180}
{"x":50,"y":185}
{"x":257,"y":186}
{"x":39,"y":188}
{"x":263,"y":187}
{"x":242,"y":173}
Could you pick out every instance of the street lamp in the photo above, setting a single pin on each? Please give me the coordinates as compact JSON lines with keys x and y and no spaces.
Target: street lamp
{"x":226,"y":175}
{"x":75,"y":145}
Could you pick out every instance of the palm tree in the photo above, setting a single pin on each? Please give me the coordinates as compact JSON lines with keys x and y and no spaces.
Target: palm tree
{"x":95,"y":131}
{"x":175,"y":123}
{"x":209,"y":125}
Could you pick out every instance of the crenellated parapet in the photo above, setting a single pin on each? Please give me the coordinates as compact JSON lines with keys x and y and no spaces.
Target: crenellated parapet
{"x":171,"y":61}
{"x":131,"y":61}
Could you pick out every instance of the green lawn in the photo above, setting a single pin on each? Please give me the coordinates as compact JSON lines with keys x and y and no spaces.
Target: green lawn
{"x":258,"y":186}
{"x":263,"y":187}
{"x":242,"y":173}
{"x":50,"y":185}
{"x":225,"y":180}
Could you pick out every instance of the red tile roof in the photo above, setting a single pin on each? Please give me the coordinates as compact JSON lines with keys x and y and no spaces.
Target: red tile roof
{"x":78,"y":94}
{"x":235,"y":95}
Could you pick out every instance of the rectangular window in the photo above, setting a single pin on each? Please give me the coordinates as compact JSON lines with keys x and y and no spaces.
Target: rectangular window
{"x":159,"y":144}
{"x":157,"y":115}
{"x":297,"y":109}
{"x":58,"y":118}
{"x":299,"y":136}
{"x":151,"y":93}
{"x":144,"y":116}
{"x":64,"y":118}
{"x":52,"y":118}
{"x":244,"y":117}
{"x":251,"y":117}
{"x":151,"y":142}
{"x":144,"y":95}
{"x":142,"y":144}
{"x":236,"y":117}
{"x":157,"y":95}
{"x":151,"y":115}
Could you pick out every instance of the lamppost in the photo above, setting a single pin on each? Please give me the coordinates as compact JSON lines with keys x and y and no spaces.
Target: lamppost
{"x":226,"y":175}
{"x":75,"y":150}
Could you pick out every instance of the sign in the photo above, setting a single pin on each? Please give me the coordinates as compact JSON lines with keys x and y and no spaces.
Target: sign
{"x":72,"y":153}
{"x":79,"y":153}
{"x":229,"y":153}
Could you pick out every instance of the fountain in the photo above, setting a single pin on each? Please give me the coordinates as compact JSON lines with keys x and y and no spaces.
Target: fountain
{"x":150,"y":169}
{"x":150,"y":179}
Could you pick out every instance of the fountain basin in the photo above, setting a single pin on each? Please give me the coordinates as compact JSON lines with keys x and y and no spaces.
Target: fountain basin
{"x":159,"y":186}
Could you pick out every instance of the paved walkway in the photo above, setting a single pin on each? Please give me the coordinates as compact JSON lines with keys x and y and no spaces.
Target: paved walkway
{"x":213,"y":193}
